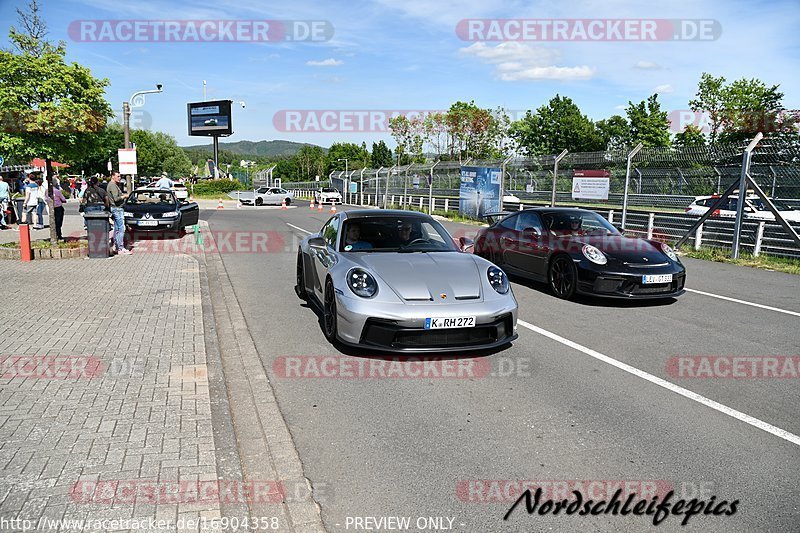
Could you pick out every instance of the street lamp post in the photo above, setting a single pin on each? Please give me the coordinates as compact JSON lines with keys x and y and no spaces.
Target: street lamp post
{"x":136,"y":100}
{"x":347,"y":190}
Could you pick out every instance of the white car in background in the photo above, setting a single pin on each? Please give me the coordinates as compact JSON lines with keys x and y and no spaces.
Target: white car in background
{"x":328,"y":195}
{"x":180,"y":190}
{"x":754,"y":208}
{"x":263,"y":196}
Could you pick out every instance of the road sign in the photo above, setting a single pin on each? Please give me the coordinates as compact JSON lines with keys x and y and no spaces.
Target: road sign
{"x":127,"y":161}
{"x":590,"y":188}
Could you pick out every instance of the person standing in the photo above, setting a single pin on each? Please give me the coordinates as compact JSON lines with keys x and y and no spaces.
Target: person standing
{"x":164,"y":182}
{"x":31,"y":200}
{"x":5,"y":197}
{"x":116,"y":199}
{"x":41,"y":192}
{"x":58,"y":210}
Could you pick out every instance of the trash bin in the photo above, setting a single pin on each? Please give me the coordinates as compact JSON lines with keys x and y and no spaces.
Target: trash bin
{"x":19,"y":204}
{"x":97,"y":228}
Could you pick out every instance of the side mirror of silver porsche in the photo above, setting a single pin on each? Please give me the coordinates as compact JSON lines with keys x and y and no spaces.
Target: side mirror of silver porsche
{"x":317,"y":242}
{"x":465,"y":244}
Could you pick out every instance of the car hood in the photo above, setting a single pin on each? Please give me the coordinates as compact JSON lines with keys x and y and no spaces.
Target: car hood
{"x":150,"y":208}
{"x":626,"y":249}
{"x":425,"y":276}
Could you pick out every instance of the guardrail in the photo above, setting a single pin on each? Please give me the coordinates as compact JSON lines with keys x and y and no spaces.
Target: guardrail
{"x":758,"y":237}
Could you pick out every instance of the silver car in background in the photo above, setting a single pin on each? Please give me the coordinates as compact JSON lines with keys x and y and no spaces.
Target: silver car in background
{"x":396,"y":281}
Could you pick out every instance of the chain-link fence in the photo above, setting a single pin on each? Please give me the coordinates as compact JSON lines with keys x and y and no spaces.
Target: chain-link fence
{"x":661,"y":186}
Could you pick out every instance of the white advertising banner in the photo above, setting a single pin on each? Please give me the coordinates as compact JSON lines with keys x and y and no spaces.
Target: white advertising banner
{"x":590,"y":188}
{"x":127,"y":161}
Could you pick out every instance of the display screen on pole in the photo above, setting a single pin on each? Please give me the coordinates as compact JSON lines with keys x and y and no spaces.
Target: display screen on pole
{"x":480,"y":191}
{"x":210,"y":118}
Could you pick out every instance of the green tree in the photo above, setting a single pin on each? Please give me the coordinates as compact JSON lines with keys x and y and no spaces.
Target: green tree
{"x":310,"y":162}
{"x":739,"y":110}
{"x":472,"y":131}
{"x":614,"y":132}
{"x":648,"y":124}
{"x":157,"y":152}
{"x":381,"y":155}
{"x":690,"y":136}
{"x":356,"y":156}
{"x":50,"y":109}
{"x":554,"y":127}
{"x":709,"y":99}
{"x":409,"y":136}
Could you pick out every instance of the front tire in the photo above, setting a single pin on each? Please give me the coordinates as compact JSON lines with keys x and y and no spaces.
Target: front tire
{"x":563,"y":277}
{"x":300,"y":288}
{"x":329,"y":312}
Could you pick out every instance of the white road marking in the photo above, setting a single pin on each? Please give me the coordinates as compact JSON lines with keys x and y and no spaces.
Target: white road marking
{"x":743,"y":302}
{"x":299,"y":229}
{"x":747,"y":419}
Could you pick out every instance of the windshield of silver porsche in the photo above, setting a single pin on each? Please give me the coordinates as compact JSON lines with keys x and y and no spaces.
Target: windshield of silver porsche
{"x":395,"y":234}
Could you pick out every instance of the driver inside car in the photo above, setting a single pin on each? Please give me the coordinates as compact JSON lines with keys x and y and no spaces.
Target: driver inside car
{"x":353,"y":240}
{"x":406,"y":234}
{"x":575,"y":226}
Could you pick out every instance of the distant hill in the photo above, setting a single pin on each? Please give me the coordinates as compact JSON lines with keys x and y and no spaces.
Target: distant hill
{"x":255,"y":149}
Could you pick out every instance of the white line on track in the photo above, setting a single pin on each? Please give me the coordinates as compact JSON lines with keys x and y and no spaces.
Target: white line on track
{"x":299,"y":229}
{"x":738,"y":415}
{"x":761,"y":306}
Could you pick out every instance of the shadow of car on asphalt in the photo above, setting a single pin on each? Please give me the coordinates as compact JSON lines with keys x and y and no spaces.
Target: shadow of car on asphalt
{"x":592,"y":301}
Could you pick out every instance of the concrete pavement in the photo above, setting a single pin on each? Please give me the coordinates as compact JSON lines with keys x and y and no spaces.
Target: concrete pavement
{"x":124,"y":401}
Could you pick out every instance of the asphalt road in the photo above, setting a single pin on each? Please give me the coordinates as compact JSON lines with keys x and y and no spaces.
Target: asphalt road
{"x":559,"y":405}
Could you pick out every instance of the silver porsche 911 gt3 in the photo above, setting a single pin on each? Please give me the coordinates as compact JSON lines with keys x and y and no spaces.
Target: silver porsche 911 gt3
{"x":396,"y":281}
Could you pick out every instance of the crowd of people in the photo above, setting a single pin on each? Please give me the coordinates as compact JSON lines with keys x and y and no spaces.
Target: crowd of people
{"x":96,"y":193}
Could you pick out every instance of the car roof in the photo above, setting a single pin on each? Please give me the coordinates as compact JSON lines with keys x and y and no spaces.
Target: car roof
{"x":385,"y":213}
{"x":567,"y":210}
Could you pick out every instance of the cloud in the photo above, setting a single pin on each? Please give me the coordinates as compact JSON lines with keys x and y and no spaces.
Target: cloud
{"x":664,"y":89}
{"x":620,"y":106}
{"x":647,"y":65}
{"x":330,"y":62}
{"x":515,"y":61}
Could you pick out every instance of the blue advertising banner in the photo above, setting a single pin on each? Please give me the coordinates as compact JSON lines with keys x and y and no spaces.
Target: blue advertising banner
{"x":480,"y":191}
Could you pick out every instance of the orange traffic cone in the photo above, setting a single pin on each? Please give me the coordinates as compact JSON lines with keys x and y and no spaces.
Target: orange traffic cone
{"x":219,"y":204}
{"x":319,"y":206}
{"x":312,"y":205}
{"x":283,"y":204}
{"x":333,"y":208}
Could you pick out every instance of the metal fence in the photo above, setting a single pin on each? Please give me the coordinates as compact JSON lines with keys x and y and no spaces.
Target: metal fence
{"x":662,"y":181}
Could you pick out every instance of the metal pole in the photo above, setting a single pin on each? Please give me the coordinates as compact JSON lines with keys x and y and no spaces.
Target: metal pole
{"x":126,"y":122}
{"x":362,"y":186}
{"x":627,"y":182}
{"x":386,"y":192}
{"x":216,"y":156}
{"x":430,"y":191}
{"x":555,"y":176}
{"x":737,"y":229}
{"x":405,"y":188}
{"x":774,"y":180}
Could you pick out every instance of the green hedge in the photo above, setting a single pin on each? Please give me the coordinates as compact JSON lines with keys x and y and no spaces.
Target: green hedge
{"x":216,"y":186}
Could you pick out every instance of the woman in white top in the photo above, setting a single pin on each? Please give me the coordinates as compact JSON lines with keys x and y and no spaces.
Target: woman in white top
{"x":31,"y":200}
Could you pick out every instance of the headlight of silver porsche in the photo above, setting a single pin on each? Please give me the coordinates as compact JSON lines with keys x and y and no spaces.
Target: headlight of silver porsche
{"x":498,"y":280}
{"x":362,"y":283}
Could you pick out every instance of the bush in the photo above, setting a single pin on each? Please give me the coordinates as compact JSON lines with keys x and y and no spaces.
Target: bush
{"x":217,"y":186}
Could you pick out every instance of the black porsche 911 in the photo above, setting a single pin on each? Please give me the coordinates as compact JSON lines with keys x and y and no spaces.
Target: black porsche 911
{"x":152,"y":209}
{"x":578,"y":251}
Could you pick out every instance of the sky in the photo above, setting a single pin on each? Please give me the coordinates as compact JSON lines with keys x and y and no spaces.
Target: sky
{"x":387,"y":55}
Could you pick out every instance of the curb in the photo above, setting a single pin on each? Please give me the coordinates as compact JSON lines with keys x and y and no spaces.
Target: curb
{"x":266,"y":448}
